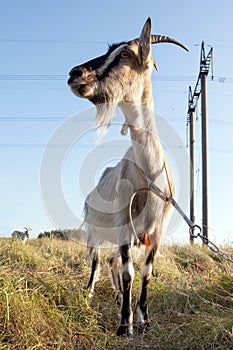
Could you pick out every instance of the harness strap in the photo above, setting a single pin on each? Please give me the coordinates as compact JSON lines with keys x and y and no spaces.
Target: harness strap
{"x":158,"y":192}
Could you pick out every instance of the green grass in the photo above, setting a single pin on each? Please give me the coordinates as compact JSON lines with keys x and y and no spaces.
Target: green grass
{"x":44,"y":305}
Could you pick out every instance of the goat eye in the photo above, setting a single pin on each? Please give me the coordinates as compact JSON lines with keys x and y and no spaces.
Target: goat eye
{"x":124,"y":54}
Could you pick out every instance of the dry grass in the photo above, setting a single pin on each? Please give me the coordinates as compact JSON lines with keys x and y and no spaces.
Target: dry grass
{"x":43,"y":300}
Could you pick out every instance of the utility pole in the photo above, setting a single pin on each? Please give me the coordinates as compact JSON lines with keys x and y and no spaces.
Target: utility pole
{"x":191,"y":153}
{"x":200,"y":88}
{"x":204,"y":132}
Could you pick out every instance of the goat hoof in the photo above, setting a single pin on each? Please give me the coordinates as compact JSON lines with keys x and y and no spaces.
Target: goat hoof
{"x":118,"y":299}
{"x":143,"y":327}
{"x":124,"y":331}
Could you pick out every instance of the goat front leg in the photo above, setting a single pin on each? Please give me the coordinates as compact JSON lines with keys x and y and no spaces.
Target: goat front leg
{"x":142,"y":309}
{"x":126,"y":320}
{"x":95,"y":267}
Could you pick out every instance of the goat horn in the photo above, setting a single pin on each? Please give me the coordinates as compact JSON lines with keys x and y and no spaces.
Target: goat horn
{"x":157,"y":39}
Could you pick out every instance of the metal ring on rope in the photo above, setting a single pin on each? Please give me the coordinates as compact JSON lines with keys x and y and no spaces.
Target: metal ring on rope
{"x":192,"y":229}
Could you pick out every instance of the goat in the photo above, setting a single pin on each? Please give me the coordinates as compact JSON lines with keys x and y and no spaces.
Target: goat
{"x":121,"y":201}
{"x":21,"y":235}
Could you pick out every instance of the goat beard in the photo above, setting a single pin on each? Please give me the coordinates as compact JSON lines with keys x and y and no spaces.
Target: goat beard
{"x":104,"y":116}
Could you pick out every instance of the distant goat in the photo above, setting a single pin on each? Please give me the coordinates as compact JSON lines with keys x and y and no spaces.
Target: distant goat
{"x":121,"y":199}
{"x":21,"y":235}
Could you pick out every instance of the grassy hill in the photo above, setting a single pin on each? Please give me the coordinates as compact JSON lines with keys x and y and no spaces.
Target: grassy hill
{"x":43,"y":300}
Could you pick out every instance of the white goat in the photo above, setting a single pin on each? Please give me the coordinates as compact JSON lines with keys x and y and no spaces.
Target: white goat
{"x":121,"y":209}
{"x":21,"y":235}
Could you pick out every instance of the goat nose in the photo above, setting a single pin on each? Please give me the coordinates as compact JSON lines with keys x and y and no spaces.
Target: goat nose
{"x":78,"y":73}
{"x":75,"y":73}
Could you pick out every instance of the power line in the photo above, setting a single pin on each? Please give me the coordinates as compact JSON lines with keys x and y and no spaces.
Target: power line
{"x":222,"y":122}
{"x":52,"y":41}
{"x":13,"y":118}
{"x":33,"y":77}
{"x":84,"y":146}
{"x":63,"y":77}
{"x":55,"y":41}
{"x":30,"y":119}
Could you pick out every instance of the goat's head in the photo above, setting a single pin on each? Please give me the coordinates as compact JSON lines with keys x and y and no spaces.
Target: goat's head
{"x":27,"y":229}
{"x":123,"y":74}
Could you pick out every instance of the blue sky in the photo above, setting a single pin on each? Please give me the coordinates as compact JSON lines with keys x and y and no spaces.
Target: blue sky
{"x":42,"y":40}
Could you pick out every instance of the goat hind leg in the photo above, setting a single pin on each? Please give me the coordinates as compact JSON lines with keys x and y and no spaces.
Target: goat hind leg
{"x":142,"y":309}
{"x":115,"y":276}
{"x":126,"y":321}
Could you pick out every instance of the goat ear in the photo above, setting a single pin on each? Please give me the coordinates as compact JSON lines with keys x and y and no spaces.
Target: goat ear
{"x":145,"y":42}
